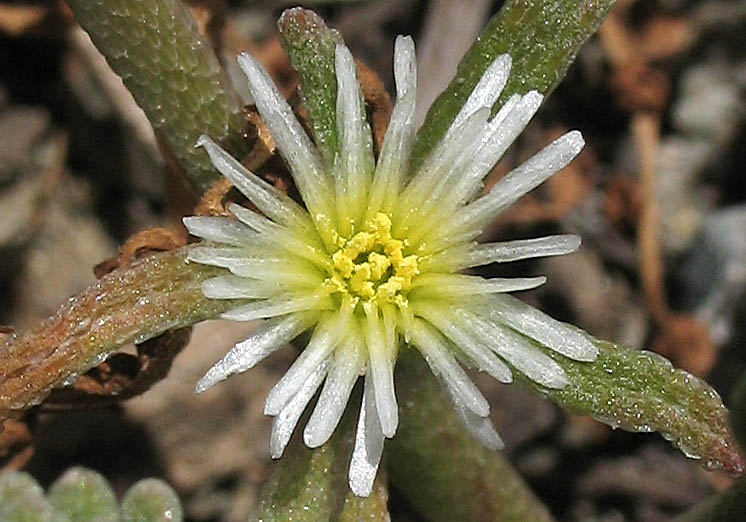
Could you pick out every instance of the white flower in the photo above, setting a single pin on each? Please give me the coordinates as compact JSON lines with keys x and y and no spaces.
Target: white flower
{"x":375,"y":257}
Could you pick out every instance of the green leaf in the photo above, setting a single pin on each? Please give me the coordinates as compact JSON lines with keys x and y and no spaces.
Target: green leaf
{"x":301,"y":487}
{"x":310,"y":485}
{"x":641,"y":391}
{"x":438,"y":467}
{"x":373,"y":508}
{"x":151,"y":500}
{"x":22,"y":499}
{"x":541,"y":36}
{"x":131,"y":304}
{"x":82,"y":495}
{"x":173,"y":74}
{"x":310,"y":46}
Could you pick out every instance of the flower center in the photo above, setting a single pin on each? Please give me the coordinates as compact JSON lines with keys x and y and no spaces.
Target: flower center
{"x":371,"y":265}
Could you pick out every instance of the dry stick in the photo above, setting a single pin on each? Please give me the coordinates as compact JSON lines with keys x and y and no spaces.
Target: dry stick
{"x":450,"y":29}
{"x":646,"y":130}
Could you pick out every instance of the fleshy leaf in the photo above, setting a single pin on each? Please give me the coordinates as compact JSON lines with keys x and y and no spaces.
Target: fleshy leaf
{"x":310,"y":46}
{"x":84,"y":495}
{"x":132,"y":304}
{"x":173,"y":74}
{"x":22,"y":499}
{"x":541,"y":37}
{"x":436,"y":465}
{"x":151,"y":500}
{"x":641,"y":391}
{"x":310,"y":485}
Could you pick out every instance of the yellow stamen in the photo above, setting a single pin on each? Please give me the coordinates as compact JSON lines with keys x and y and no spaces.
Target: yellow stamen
{"x":371,"y":264}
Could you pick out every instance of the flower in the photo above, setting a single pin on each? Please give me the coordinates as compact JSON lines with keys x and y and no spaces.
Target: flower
{"x":376,"y":256}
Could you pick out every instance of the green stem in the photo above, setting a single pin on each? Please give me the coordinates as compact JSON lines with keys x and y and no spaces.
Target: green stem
{"x":637,"y":390}
{"x":310,"y":45}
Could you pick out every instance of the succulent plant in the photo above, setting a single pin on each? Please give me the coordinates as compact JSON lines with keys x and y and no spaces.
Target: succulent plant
{"x":84,"y":495}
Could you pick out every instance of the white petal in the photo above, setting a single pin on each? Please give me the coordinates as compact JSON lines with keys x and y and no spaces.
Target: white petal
{"x":451,"y":327}
{"x":253,"y":220}
{"x":268,"y":199}
{"x":394,"y":157}
{"x":519,"y":352}
{"x":463,"y":285}
{"x":405,"y":66}
{"x":323,"y":341}
{"x":345,"y":369}
{"x":443,"y":364}
{"x":253,"y":264}
{"x":286,"y":420}
{"x":461,"y":183}
{"x":479,"y":427}
{"x":447,"y":157}
{"x":219,"y":254}
{"x":292,"y":142}
{"x":299,"y":245}
{"x":544,"y":329}
{"x":382,"y":369}
{"x":275,"y":306}
{"x":266,"y":339}
{"x":486,"y":92}
{"x":220,"y":230}
{"x":366,"y":454}
{"x":506,"y":251}
{"x":515,"y":184}
{"x":501,"y":132}
{"x":354,"y":165}
{"x":227,"y":257}
{"x":235,"y":287}
{"x":473,"y":254}
{"x":399,"y":138}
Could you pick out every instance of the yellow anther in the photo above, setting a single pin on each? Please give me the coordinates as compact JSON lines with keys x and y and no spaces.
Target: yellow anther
{"x":393,"y":249}
{"x":381,"y":226}
{"x":360,"y":243}
{"x":362,"y":287}
{"x":343,"y":263}
{"x":381,"y":272}
{"x":378,"y":265}
{"x":408,"y":267}
{"x":362,"y":272}
{"x":388,"y":290}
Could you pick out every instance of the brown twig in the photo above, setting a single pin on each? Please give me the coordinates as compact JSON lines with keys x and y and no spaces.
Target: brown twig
{"x":646,"y":130}
{"x":122,"y":376}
